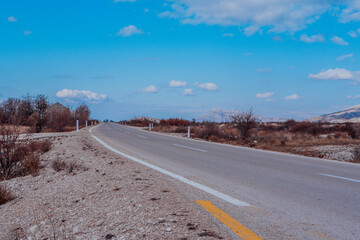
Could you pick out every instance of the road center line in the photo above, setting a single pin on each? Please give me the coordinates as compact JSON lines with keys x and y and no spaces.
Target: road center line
{"x":196,"y":149}
{"x":343,"y":178}
{"x":142,"y":136}
{"x":235,"y":226}
{"x":178,"y":177}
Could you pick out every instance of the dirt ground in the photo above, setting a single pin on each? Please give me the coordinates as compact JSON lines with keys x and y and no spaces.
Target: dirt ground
{"x":101,"y":196}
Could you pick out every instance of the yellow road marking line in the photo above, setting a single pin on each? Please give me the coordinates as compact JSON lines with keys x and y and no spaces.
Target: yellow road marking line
{"x":235,"y":226}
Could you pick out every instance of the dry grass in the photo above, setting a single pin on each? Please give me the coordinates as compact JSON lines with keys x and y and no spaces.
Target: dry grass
{"x":60,"y":165}
{"x":5,"y":195}
{"x":19,"y":156}
{"x":40,"y":146}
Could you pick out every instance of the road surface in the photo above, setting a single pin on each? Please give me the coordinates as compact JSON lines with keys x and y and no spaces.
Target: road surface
{"x":290,"y":197}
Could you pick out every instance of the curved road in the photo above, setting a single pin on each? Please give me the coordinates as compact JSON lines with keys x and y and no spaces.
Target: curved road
{"x":291,"y":197}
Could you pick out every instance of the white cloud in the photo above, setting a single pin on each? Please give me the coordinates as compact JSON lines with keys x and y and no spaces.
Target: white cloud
{"x":265,"y":95}
{"x":352,"y":34}
{"x":278,"y":15}
{"x":207,"y":86}
{"x":293,"y":97}
{"x":174,"y":83}
{"x":343,"y":57}
{"x":12,"y":19}
{"x":80,"y":94}
{"x":275,"y":15}
{"x":116,"y":1}
{"x":150,"y":89}
{"x":277,"y":38}
{"x":351,"y":12}
{"x":27,"y":32}
{"x":333,"y":74}
{"x":188,"y":92}
{"x":339,"y":41}
{"x":312,"y":39}
{"x":128,"y":31}
{"x":261,"y":70}
{"x":167,"y":14}
{"x":353,"y":97}
{"x":251,"y":30}
{"x":228,"y":35}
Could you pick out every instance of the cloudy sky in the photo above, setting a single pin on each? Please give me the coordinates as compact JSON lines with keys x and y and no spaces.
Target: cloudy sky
{"x":181,"y":58}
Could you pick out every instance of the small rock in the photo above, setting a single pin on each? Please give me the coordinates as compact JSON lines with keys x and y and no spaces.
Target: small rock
{"x":99,"y":223}
{"x":161,"y":220}
{"x":168,"y":229}
{"x":76,"y":230}
{"x":33,"y":229}
{"x":109,"y":236}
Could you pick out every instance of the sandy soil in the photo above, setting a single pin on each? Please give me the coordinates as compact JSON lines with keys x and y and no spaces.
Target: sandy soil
{"x":104,"y":197}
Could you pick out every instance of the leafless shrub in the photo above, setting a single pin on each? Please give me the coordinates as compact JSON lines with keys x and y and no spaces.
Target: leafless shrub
{"x":5,"y":195}
{"x":12,"y":151}
{"x":59,"y":165}
{"x":19,"y":156}
{"x":308,"y":127}
{"x":244,"y":122}
{"x":31,"y":164}
{"x":70,"y":167}
{"x":40,"y":146}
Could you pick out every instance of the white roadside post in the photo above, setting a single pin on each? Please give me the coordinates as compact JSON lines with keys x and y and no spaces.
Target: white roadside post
{"x":188,"y":135}
{"x":149,"y":126}
{"x":77,"y":125}
{"x":86,"y":124}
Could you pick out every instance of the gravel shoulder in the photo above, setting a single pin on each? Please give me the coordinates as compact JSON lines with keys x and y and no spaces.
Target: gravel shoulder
{"x":103,"y":196}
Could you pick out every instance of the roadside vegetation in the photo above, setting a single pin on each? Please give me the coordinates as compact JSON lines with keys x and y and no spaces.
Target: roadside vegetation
{"x":36,"y":114}
{"x":243,"y":129}
{"x":19,"y":118}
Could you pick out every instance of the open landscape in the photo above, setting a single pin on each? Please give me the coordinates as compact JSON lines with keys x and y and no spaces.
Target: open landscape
{"x":180,"y":120}
{"x":339,"y":140}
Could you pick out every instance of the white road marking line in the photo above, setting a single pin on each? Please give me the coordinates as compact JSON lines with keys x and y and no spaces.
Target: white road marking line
{"x":178,"y":177}
{"x":344,"y":178}
{"x":127,"y":132}
{"x":196,"y":149}
{"x":142,"y":136}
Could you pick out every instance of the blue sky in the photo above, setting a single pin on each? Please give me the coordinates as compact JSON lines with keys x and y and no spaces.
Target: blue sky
{"x":181,"y":58}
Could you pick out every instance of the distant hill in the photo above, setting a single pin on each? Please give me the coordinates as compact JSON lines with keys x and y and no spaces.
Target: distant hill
{"x":347,"y":115}
{"x":221,"y":115}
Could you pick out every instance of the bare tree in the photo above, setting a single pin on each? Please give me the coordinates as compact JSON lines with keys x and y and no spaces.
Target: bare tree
{"x":82,"y":113}
{"x":40,"y":104}
{"x":244,"y":122}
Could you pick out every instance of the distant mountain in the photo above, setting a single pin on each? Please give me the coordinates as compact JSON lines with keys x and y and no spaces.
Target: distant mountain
{"x":216,"y":115}
{"x":221,"y":115}
{"x":347,"y":115}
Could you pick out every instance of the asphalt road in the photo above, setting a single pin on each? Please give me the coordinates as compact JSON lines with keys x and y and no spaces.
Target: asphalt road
{"x":291,"y":197}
